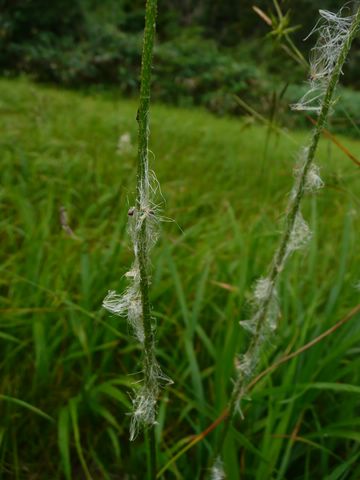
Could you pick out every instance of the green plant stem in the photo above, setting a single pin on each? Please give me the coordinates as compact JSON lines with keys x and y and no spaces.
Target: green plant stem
{"x":143,"y":201}
{"x":151,"y":453}
{"x":291,"y":215}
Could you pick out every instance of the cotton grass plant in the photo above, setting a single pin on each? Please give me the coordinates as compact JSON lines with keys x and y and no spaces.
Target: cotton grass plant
{"x":336,"y":33}
{"x":134,"y":302}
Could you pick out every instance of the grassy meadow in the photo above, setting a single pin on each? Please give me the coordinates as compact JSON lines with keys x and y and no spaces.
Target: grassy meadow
{"x":67,"y":366}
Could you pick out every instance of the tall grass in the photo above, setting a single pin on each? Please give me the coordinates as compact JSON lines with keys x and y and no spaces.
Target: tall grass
{"x":76,"y":357}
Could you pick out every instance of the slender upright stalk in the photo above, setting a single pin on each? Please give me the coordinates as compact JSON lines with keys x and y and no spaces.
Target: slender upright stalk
{"x":134,"y":302}
{"x":293,"y":210}
{"x":143,"y":207}
{"x":142,"y":200}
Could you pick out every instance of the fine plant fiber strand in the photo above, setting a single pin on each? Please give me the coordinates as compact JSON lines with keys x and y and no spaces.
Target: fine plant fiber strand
{"x":217,"y":470}
{"x":333,"y":30}
{"x":329,"y":56}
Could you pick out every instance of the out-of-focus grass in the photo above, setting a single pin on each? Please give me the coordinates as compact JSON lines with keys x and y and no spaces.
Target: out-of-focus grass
{"x":63,"y":357}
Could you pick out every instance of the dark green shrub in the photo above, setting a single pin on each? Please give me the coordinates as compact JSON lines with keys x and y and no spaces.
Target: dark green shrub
{"x":194,"y":71}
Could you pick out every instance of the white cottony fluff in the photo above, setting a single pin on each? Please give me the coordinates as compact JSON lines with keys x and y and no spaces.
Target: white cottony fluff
{"x":249,"y":325}
{"x":313,"y":181}
{"x":265,"y":302}
{"x":144,"y":402}
{"x":245,"y":364}
{"x":333,"y":30}
{"x":217,"y":470}
{"x":300,"y":234}
{"x":129,"y":303}
{"x":144,"y":411}
{"x":263,"y":289}
{"x":264,"y":299}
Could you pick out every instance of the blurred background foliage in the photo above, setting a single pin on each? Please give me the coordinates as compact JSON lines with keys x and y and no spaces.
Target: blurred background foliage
{"x":207,"y":51}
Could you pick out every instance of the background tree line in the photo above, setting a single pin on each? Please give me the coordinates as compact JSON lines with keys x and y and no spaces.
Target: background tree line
{"x":207,"y":50}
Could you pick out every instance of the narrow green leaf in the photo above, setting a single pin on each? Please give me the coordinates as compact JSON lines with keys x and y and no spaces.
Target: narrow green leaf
{"x":75,"y":426}
{"x":114,"y":439}
{"x":27,"y":405}
{"x":341,"y":469}
{"x":106,"y":414}
{"x":115,"y":393}
{"x":64,"y":441}
{"x":11,"y":338}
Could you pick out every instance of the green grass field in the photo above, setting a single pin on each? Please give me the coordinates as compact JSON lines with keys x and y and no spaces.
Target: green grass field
{"x":67,"y":366}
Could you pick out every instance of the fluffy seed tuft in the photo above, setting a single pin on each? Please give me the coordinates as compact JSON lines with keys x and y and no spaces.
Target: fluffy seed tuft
{"x":217,"y":470}
{"x":145,"y":400}
{"x":333,"y":30}
{"x":300,"y":234}
{"x":312,"y":181}
{"x":129,"y":303}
